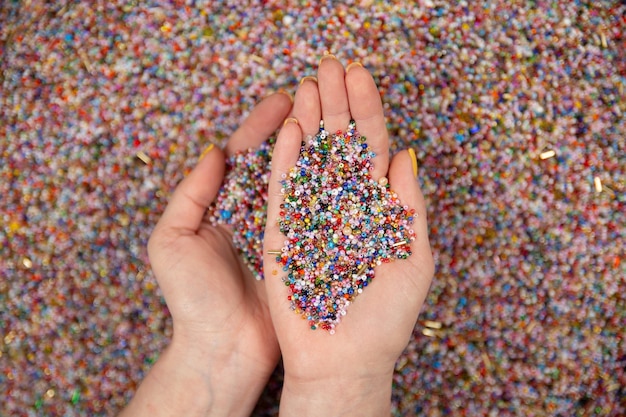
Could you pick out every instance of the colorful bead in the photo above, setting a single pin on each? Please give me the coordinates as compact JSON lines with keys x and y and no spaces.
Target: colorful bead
{"x":339,"y":225}
{"x":242,"y":203}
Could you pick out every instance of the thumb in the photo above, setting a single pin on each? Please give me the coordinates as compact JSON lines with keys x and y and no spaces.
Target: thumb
{"x":195,"y":193}
{"x":403,"y":173}
{"x":284,"y":157}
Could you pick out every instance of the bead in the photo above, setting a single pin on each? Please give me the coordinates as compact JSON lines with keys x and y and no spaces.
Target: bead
{"x":242,"y":201}
{"x":324,"y":250}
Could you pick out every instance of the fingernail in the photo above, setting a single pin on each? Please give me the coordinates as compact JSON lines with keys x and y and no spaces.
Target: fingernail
{"x":280,"y":91}
{"x":327,"y":56}
{"x":290,"y":120}
{"x":353,"y":65}
{"x":413,"y":161}
{"x":206,"y":151}
{"x":308,"y":77}
{"x":285,"y":92}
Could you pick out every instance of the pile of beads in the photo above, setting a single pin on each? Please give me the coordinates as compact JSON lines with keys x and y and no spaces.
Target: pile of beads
{"x":340,"y":223}
{"x":242,"y":202}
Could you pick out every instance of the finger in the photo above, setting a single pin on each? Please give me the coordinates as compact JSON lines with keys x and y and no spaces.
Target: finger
{"x":366,"y":109}
{"x":403,"y":181}
{"x":285,"y":156}
{"x":195,"y":193}
{"x":333,"y":96}
{"x":262,"y":122}
{"x":306,"y":107}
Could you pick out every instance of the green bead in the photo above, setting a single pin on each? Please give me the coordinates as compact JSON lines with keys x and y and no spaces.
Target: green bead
{"x":75,"y":397}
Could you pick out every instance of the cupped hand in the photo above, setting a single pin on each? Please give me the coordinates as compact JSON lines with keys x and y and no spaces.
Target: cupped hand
{"x":223,"y":335}
{"x":356,"y":363}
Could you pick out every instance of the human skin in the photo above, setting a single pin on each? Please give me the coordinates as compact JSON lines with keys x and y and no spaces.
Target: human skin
{"x":223,"y":348}
{"x":228,"y":327}
{"x":350,"y":372}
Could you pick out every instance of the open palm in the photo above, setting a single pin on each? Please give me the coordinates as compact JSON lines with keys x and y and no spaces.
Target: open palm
{"x":380,"y":321}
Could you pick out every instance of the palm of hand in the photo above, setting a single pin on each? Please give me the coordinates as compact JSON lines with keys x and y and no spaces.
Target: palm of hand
{"x":373,"y":333}
{"x":215,"y":302}
{"x":210,"y":293}
{"x":214,"y":280}
{"x":379,"y":322}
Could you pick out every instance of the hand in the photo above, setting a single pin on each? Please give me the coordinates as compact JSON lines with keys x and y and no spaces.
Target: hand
{"x":223,"y":348}
{"x":350,"y":372}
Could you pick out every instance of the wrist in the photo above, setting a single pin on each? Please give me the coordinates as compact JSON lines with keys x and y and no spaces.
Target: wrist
{"x":341,"y":395}
{"x":172,"y":387}
{"x":234,"y":379}
{"x":194,"y":379}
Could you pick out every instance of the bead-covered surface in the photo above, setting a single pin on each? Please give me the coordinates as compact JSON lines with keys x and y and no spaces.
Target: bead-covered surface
{"x":515,"y":109}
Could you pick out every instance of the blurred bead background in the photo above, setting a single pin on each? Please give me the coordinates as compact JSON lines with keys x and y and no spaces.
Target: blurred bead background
{"x":515,"y":110}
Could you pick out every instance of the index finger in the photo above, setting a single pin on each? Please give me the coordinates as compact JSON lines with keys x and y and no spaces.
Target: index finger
{"x":262,"y":122}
